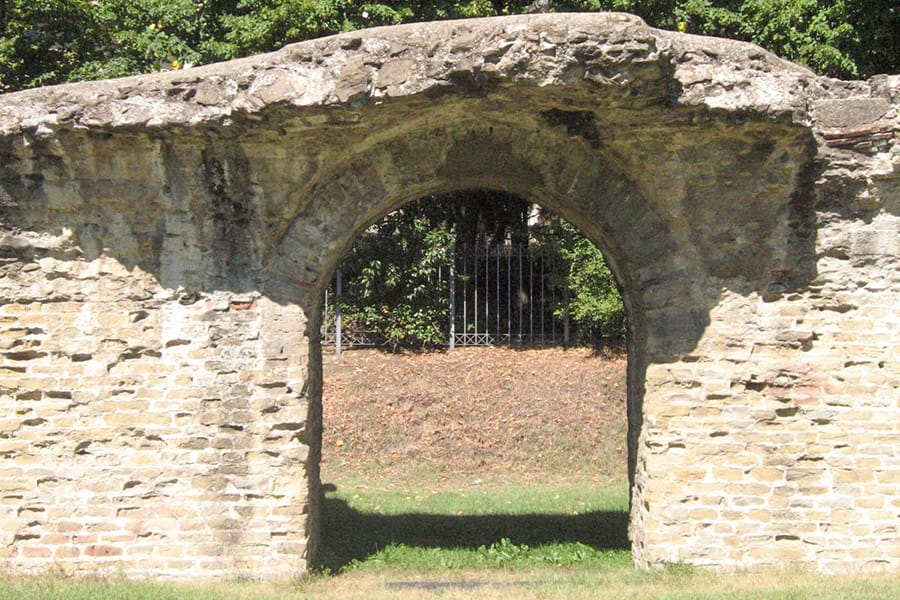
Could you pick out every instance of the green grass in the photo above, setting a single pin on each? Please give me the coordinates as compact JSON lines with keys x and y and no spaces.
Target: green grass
{"x":63,"y":588}
{"x":526,"y":583}
{"x":478,"y":528}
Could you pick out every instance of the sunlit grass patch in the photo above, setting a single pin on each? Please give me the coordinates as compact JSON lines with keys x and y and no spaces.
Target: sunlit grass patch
{"x":71,"y":588}
{"x":615,"y":583}
{"x":502,"y":554}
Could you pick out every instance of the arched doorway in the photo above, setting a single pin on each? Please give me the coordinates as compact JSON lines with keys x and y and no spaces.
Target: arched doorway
{"x":647,"y":186}
{"x":568,"y":174}
{"x":513,"y":434}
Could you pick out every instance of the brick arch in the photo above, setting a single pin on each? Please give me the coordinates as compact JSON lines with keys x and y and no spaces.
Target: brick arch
{"x":164,"y":239}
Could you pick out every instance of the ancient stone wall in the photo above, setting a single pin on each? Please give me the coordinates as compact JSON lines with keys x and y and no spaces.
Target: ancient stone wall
{"x":164,"y":241}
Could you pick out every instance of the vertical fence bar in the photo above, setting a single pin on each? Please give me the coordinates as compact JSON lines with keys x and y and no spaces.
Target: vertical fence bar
{"x":553,"y":316}
{"x":452,"y":340}
{"x":520,"y":293}
{"x":487,"y":292}
{"x":543,"y":306}
{"x":497,"y":265}
{"x":465,"y":307}
{"x":531,"y":293}
{"x":509,"y":295}
{"x":337,"y":314}
{"x":475,"y":260}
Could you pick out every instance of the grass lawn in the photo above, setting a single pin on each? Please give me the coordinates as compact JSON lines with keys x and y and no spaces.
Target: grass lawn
{"x":516,"y":541}
{"x":513,"y":526}
{"x":520,"y":584}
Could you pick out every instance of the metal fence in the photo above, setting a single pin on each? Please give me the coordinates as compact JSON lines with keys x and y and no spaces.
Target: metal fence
{"x":502,"y":294}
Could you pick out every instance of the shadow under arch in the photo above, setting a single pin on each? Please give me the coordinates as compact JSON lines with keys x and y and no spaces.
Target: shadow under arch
{"x":362,"y":534}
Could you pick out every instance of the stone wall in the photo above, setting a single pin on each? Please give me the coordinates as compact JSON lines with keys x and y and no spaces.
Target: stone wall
{"x":164,"y":241}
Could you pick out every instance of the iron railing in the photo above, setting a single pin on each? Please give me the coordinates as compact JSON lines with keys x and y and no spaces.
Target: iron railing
{"x":501,"y":294}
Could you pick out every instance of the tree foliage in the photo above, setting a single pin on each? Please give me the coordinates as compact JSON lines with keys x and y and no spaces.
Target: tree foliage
{"x":54,"y":41}
{"x":393,"y":280}
{"x":261,"y":25}
{"x":396,"y":276}
{"x":586,"y":291}
{"x":43,"y":41}
{"x":817,"y":34}
{"x":396,"y":279}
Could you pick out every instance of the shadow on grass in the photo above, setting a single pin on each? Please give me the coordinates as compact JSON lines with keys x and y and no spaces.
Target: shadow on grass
{"x":350,"y":535}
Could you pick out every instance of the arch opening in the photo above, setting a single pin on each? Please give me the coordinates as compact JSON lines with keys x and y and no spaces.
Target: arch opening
{"x":569,"y":438}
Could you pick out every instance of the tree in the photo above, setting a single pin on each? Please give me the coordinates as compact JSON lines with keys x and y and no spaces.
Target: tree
{"x":55,"y":41}
{"x":256,"y":26}
{"x":586,"y":291}
{"x":396,"y":277}
{"x":876,"y":35}
{"x":43,"y":41}
{"x":396,"y":280}
{"x":817,"y":34}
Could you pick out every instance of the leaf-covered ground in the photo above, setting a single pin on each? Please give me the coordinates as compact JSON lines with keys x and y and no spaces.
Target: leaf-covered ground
{"x":475,"y":415}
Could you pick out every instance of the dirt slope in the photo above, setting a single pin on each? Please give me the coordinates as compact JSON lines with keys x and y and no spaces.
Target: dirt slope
{"x":485,"y":414}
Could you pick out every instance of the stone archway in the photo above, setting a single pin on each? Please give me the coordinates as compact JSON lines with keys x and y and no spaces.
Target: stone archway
{"x":586,"y":189}
{"x":166,"y":238}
